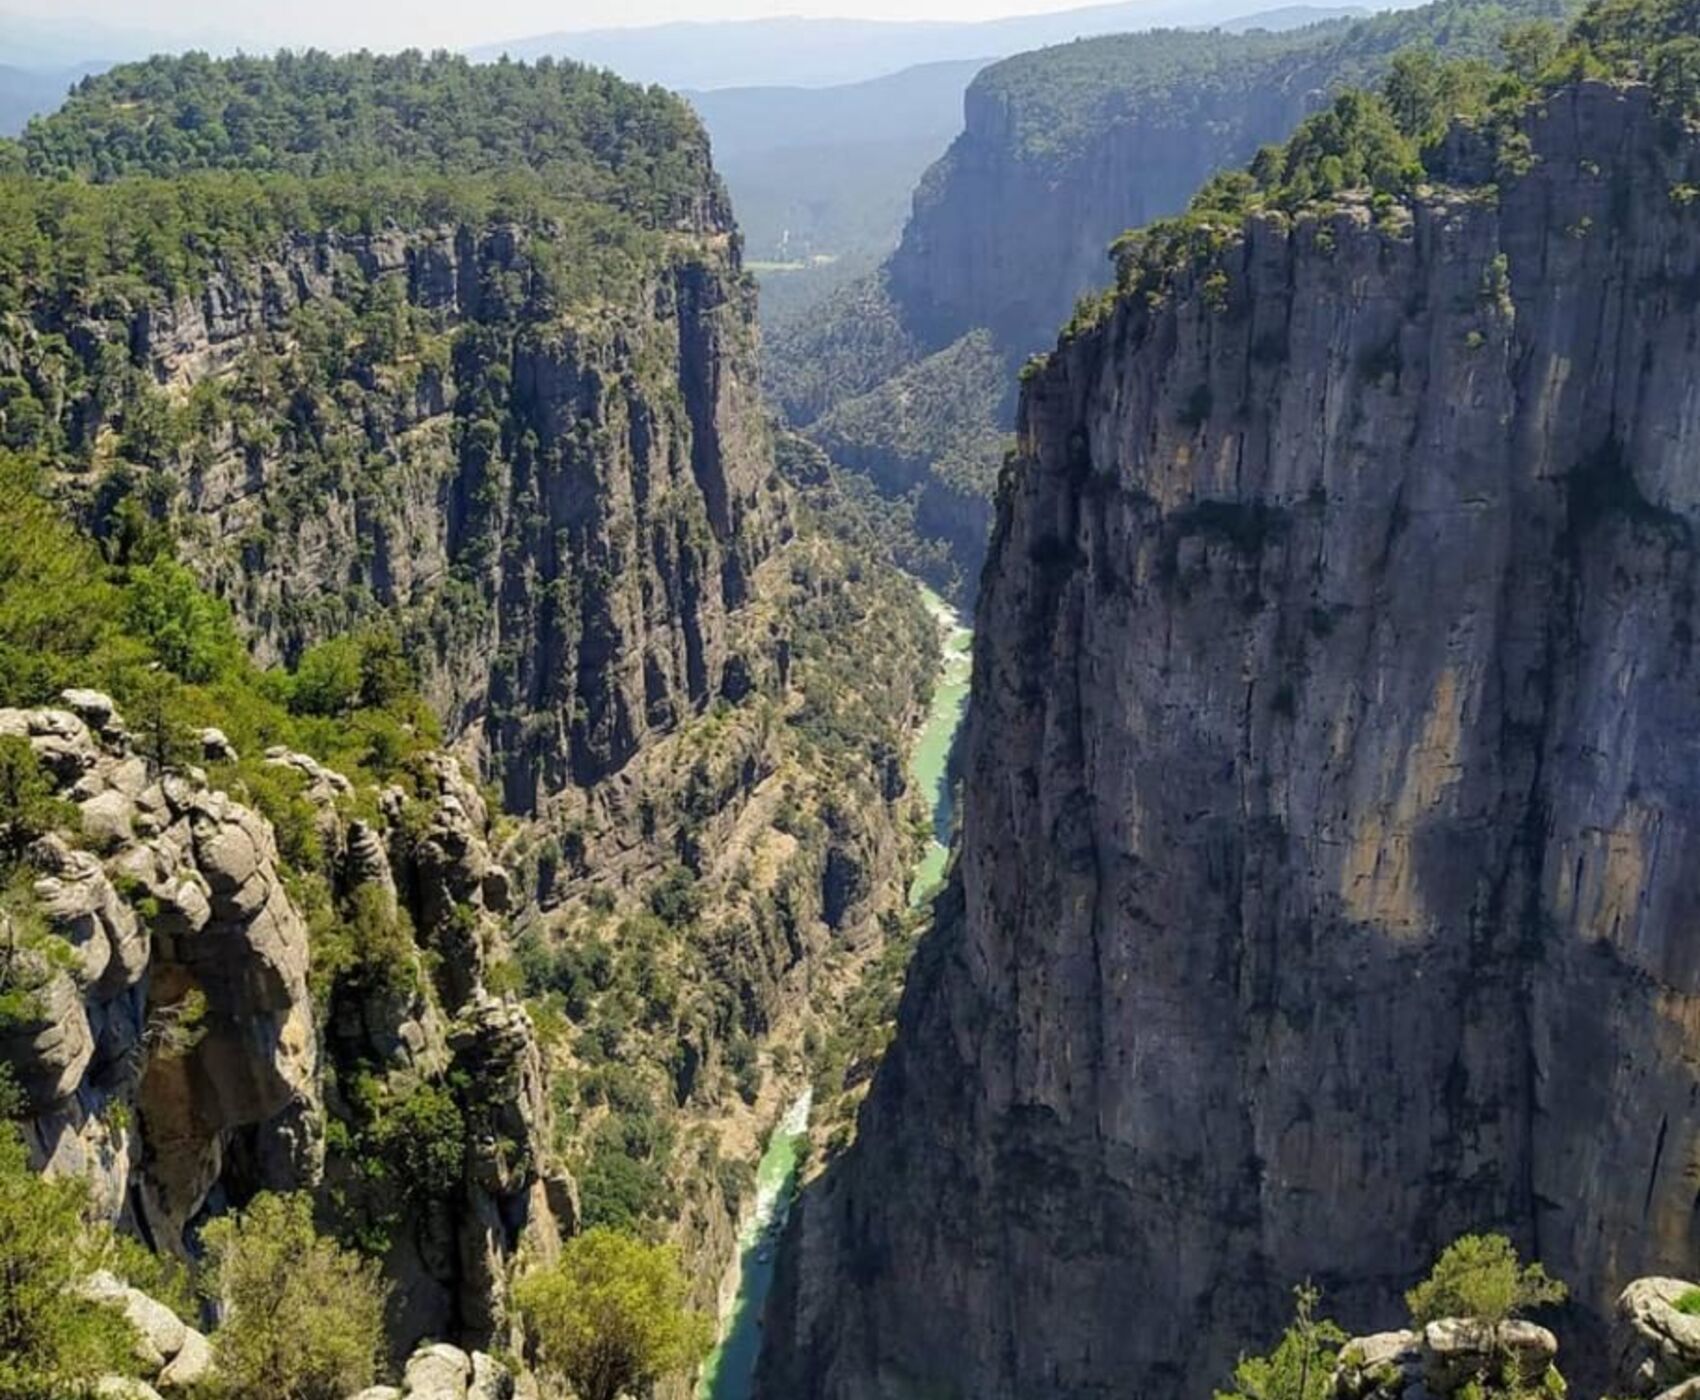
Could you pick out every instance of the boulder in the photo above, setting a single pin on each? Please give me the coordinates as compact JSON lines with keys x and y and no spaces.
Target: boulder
{"x":191,"y":1366}
{"x":1377,"y":1365}
{"x":109,"y":819}
{"x":50,"y":1047}
{"x":437,"y":1371}
{"x":160,"y":1333}
{"x":1655,"y":1345}
{"x":216,"y":747}
{"x":1456,"y":1351}
{"x":125,"y":1388}
{"x":490,"y":1379}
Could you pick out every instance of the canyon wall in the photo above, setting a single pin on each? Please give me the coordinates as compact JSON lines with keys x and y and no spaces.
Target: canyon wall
{"x":1326,"y":882}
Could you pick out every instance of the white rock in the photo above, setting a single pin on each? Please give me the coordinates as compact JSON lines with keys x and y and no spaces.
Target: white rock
{"x":192,"y":1365}
{"x":125,"y":1388}
{"x":438,"y":1371}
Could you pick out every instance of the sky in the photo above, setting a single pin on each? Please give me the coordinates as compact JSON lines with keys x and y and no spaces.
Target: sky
{"x":432,"y":23}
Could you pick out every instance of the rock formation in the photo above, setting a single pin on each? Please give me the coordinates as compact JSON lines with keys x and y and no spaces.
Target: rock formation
{"x":182,"y":1063}
{"x":1331,"y":815}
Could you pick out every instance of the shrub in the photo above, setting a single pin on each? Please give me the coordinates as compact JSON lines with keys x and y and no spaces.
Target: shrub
{"x":1302,"y":1365}
{"x":1480,"y":1277}
{"x":52,"y":1342}
{"x":610,"y":1318}
{"x":192,"y":632}
{"x":28,"y":807}
{"x":1689,"y":1303}
{"x":304,"y":1318}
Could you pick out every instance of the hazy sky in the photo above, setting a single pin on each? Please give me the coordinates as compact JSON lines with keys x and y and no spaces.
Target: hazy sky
{"x":452,"y":23}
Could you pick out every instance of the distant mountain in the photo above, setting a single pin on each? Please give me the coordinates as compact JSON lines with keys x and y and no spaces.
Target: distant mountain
{"x":697,"y":55}
{"x":28,"y":92}
{"x":827,"y":172}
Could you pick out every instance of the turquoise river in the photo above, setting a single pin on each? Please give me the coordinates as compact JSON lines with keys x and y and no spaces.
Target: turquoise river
{"x":730,"y":1372}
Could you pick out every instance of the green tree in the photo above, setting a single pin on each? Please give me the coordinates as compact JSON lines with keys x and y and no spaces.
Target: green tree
{"x":610,"y":1318}
{"x":1479,"y":1277}
{"x":304,"y":1318}
{"x":28,"y":807}
{"x":1530,"y":47}
{"x":329,"y":679}
{"x":53,"y":1342}
{"x":189,"y":630}
{"x":1302,"y":1365}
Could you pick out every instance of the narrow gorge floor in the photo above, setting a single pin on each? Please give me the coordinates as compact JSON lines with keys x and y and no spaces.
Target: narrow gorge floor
{"x":729,"y":1373}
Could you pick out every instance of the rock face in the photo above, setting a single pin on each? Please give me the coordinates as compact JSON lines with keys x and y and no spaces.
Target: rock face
{"x":1331,"y":806}
{"x":1005,"y":237}
{"x":181,"y":1062}
{"x":561,"y":508}
{"x":198,"y":1015}
{"x":1655,"y":1344}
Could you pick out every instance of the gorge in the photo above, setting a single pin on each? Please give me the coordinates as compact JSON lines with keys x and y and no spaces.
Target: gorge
{"x":1327,"y":865}
{"x":556,"y":844}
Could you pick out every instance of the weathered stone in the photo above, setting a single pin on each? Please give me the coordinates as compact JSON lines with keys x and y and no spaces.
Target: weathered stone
{"x":437,"y":1371}
{"x":1655,"y":1344}
{"x":107,"y":819}
{"x":1456,"y":1351}
{"x":160,"y":1333}
{"x":1377,"y":1365}
{"x":490,"y":1379}
{"x":50,"y":1047}
{"x":192,"y":1366}
{"x":125,"y":1388}
{"x":216,"y":747}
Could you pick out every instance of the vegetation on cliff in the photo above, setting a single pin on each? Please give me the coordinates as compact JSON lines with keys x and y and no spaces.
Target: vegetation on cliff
{"x":610,"y":1318}
{"x":589,"y":135}
{"x":51,"y":1341}
{"x":1477,"y":1286}
{"x":1385,"y":143}
{"x":1058,"y":100}
{"x":1065,"y":146}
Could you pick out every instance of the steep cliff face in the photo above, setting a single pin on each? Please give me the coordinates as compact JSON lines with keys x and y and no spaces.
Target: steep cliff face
{"x":564,"y":506}
{"x":1326,"y":878}
{"x":1063,"y":150}
{"x":1005,"y":236}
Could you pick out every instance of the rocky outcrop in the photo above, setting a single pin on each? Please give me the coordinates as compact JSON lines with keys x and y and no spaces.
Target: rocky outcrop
{"x":1655,"y":1339}
{"x":196,"y":1014}
{"x":171,"y":1354}
{"x":1331,"y":805}
{"x":1450,"y":1356}
{"x":179,"y":1060}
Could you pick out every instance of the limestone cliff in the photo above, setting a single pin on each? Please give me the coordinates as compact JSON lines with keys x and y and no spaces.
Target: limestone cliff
{"x":1327,"y":875}
{"x":1062,"y":150}
{"x":563,"y":505}
{"x":182,"y":1060}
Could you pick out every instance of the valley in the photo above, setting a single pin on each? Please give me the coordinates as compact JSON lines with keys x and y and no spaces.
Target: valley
{"x":977,"y":711}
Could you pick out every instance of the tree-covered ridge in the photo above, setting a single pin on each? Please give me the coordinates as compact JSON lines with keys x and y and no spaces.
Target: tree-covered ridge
{"x":586,"y":133}
{"x":1056,"y":100}
{"x":1390,"y":141}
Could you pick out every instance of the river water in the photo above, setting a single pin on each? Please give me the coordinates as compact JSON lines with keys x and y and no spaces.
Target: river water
{"x":731,"y":1369}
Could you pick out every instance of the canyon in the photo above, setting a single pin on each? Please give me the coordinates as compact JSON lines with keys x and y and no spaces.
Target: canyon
{"x":480,"y":769}
{"x":1329,"y":820}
